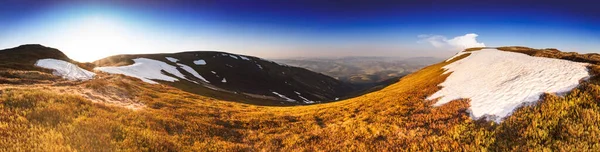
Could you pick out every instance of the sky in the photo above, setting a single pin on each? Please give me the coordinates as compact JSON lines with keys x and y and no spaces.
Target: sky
{"x":88,"y":30}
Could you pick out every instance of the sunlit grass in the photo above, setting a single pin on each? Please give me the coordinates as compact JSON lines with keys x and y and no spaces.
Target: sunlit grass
{"x":396,"y":118}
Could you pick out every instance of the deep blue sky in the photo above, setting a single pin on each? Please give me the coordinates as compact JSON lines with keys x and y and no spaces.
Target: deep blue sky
{"x":88,"y":30}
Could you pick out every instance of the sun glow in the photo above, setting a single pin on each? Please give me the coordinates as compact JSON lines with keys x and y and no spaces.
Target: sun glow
{"x":90,"y":38}
{"x":94,"y":37}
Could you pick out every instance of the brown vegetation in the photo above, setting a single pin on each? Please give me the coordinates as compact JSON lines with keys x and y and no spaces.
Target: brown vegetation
{"x":26,"y":77}
{"x":475,"y":49}
{"x":593,"y":58}
{"x":396,"y":118}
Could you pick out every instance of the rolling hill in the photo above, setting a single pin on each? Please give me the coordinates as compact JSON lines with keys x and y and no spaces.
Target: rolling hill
{"x":229,"y":76}
{"x":441,"y":107}
{"x":214,"y":74}
{"x":24,"y":62}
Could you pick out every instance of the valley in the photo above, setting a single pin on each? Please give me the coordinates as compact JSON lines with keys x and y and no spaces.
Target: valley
{"x":363,"y":71}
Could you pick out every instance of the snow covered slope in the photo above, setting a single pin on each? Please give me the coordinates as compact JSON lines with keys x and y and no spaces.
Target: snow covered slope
{"x":65,"y":69}
{"x":146,"y":69}
{"x":497,"y":82}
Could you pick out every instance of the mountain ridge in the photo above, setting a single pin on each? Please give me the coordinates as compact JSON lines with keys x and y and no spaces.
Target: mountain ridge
{"x":246,"y":79}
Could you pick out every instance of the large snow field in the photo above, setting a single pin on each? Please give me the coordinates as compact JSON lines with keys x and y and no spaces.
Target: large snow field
{"x":146,"y":69}
{"x":65,"y":69}
{"x":497,"y":82}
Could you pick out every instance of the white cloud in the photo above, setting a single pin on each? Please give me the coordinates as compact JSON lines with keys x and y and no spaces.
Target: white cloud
{"x":459,"y":42}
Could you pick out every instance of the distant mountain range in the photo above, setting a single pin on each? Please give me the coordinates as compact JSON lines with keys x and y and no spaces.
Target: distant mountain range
{"x":365,"y":71}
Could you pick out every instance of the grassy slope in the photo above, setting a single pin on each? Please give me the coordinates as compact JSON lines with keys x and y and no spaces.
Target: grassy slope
{"x":395,"y":118}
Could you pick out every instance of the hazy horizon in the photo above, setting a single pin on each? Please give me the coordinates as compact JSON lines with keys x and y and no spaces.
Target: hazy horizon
{"x":300,"y":57}
{"x":89,"y":30}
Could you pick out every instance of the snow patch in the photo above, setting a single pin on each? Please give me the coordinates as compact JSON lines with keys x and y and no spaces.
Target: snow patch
{"x":281,"y":64}
{"x":233,"y":56}
{"x":146,"y":69}
{"x":65,"y":69}
{"x":192,"y":71}
{"x":497,"y":82}
{"x":284,"y":97}
{"x":303,"y":99}
{"x":200,"y":62}
{"x":244,"y":58}
{"x":172,"y":59}
{"x":211,"y":87}
{"x":259,"y":66}
{"x":224,"y":80}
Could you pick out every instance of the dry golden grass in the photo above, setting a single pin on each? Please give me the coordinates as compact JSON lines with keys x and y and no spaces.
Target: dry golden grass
{"x":474,"y":49}
{"x":396,"y":118}
{"x":593,"y":58}
{"x":26,"y":77}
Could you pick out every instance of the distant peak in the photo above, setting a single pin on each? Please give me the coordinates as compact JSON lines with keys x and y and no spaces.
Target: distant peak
{"x":32,"y":46}
{"x":35,"y":46}
{"x":31,"y":52}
